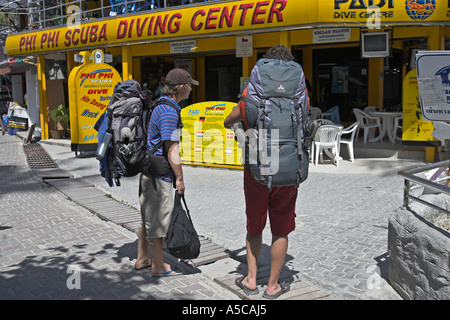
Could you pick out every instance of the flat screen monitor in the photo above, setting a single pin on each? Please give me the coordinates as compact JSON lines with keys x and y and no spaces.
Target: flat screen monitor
{"x":375,"y":45}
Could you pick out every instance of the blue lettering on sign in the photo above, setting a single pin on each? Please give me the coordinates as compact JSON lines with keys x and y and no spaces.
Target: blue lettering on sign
{"x":88,"y":138}
{"x":89,"y":113}
{"x":194,"y":112}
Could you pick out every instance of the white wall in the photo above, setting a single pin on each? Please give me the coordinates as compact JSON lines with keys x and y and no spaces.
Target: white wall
{"x":33,"y":99}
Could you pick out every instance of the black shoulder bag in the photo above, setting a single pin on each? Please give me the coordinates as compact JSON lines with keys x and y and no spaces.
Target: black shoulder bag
{"x":182,"y":239}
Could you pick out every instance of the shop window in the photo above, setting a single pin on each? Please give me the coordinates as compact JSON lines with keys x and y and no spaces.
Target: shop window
{"x":392,"y":91}
{"x":152,"y":69}
{"x":340,"y":77}
{"x":223,"y":76}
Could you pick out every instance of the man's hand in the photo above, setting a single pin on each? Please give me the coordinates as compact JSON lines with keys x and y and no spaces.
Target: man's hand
{"x":179,"y":184}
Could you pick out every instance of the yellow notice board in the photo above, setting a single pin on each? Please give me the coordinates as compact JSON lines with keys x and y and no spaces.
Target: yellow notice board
{"x":91,"y":87}
{"x":205,"y":141}
{"x":416,"y":131}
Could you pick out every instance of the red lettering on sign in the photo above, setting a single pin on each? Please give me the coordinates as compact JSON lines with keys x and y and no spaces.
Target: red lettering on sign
{"x":219,"y":17}
{"x":97,"y":91}
{"x":28,"y":41}
{"x":211,"y":17}
{"x":258,"y":11}
{"x":244,"y":8}
{"x":227,"y":17}
{"x":277,"y":7}
{"x":194,"y":25}
{"x":85,"y":35}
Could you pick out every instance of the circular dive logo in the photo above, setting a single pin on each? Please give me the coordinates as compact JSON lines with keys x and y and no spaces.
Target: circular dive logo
{"x":420,"y":9}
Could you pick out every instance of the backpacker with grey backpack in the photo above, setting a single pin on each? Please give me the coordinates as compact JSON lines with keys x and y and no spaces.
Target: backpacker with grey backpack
{"x":122,"y":134}
{"x":275,"y":112}
{"x":125,"y":128}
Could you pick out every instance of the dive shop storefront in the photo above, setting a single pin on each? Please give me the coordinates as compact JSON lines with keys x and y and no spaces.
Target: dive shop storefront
{"x":219,"y":42}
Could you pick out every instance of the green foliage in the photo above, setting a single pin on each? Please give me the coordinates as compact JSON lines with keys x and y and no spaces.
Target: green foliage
{"x":59,"y":115}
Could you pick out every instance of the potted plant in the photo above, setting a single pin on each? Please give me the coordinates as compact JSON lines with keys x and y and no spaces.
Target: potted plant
{"x":59,"y":116}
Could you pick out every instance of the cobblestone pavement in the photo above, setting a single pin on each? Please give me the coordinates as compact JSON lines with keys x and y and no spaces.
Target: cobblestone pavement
{"x":52,"y":248}
{"x":339,"y":245}
{"x":340,"y":242}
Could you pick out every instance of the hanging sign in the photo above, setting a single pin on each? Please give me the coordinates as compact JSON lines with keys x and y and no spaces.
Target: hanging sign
{"x":416,"y":130}
{"x":433,"y":76}
{"x":244,"y":46}
{"x":331,"y":35}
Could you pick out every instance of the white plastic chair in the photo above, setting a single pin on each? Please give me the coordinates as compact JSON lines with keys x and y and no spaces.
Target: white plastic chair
{"x":370,"y":109}
{"x":315,"y":112}
{"x":398,"y":124}
{"x":327,"y":137}
{"x":366,"y":122}
{"x":326,"y":122}
{"x":350,"y":133}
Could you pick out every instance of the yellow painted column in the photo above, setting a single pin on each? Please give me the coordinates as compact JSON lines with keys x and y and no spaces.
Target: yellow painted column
{"x":127,"y":63}
{"x":285,"y":39}
{"x":42,"y":88}
{"x":376,"y":75}
{"x":136,"y":74}
{"x":200,"y":76}
{"x":246,"y":67}
{"x":436,"y":41}
{"x":70,"y":61}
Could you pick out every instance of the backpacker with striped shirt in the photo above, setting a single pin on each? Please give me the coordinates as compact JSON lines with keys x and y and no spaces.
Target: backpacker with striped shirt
{"x":122,"y":134}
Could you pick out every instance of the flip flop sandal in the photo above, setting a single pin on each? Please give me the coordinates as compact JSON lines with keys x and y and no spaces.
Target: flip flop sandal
{"x":170,"y":273}
{"x":142,"y":268}
{"x":285,"y":287}
{"x":246,"y":290}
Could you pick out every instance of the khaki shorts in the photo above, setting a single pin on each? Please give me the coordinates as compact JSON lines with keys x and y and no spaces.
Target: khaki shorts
{"x":156,"y":200}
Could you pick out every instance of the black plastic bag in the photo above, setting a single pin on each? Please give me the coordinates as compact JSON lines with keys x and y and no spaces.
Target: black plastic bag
{"x":182,"y":239}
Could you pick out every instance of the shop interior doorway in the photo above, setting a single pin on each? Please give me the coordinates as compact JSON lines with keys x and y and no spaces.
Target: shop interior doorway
{"x":223,"y":76}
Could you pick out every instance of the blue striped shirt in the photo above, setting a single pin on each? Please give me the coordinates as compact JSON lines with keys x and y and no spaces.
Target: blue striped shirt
{"x":163,"y":126}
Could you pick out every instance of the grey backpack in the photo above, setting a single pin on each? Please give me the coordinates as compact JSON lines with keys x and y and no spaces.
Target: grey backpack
{"x":127,"y":122}
{"x":275,"y":114}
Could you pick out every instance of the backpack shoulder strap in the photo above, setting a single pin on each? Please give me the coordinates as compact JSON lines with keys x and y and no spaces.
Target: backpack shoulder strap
{"x":153,"y":106}
{"x":171,"y":104}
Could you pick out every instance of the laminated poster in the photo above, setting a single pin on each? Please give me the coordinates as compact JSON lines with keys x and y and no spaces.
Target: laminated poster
{"x":204,"y":139}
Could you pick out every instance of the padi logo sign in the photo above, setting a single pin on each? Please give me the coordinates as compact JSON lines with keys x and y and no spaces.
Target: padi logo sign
{"x":362,"y":4}
{"x":376,"y":9}
{"x":371,"y":10}
{"x":420,"y":9}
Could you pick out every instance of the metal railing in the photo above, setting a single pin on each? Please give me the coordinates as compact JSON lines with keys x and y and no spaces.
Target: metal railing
{"x":439,"y":184}
{"x":49,"y":13}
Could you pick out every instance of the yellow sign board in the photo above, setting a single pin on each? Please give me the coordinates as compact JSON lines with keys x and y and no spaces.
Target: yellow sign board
{"x":204,"y":138}
{"x":415,"y":130}
{"x":91,"y":87}
{"x":227,"y":17}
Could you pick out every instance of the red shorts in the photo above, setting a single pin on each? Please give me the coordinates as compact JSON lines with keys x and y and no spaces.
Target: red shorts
{"x":280,"y":202}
